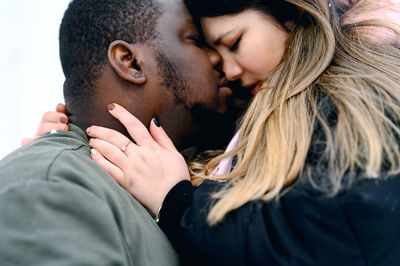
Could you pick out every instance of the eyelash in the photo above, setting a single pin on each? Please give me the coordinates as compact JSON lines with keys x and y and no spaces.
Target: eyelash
{"x":235,"y":45}
{"x":196,"y":39}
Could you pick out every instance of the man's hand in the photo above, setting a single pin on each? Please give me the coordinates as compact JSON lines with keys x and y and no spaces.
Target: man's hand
{"x":57,"y":120}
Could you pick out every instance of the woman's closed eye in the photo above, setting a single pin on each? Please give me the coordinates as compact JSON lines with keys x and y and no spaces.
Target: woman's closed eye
{"x":235,"y":45}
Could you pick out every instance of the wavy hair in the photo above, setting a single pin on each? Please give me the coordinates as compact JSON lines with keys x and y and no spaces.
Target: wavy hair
{"x":360,"y":76}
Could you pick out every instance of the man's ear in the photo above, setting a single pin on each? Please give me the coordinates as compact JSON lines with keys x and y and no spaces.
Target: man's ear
{"x":123,"y":58}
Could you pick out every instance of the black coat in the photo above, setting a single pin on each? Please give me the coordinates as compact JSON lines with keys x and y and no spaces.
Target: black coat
{"x":358,"y":226}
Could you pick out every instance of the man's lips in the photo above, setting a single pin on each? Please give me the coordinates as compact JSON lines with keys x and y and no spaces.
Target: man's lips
{"x":223,"y":93}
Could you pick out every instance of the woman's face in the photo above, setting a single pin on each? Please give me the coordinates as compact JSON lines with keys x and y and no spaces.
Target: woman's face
{"x":251,"y":45}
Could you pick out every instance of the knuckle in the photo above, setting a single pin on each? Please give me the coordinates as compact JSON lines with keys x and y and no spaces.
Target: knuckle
{"x":114,"y":137}
{"x":109,"y":135}
{"x":141,"y":156}
{"x":94,"y":131}
{"x":44,"y":128}
{"x":129,"y":182}
{"x":92,"y":142}
{"x":132,"y":123}
{"x":60,"y":127}
{"x":142,"y":138}
{"x":47,"y":116}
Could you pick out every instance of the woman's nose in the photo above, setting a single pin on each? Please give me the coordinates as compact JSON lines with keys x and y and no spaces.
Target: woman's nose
{"x":232,"y":70}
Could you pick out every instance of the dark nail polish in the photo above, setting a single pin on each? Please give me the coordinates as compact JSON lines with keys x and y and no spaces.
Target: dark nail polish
{"x":156,"y":122}
{"x":111,"y":106}
{"x":63,"y":119}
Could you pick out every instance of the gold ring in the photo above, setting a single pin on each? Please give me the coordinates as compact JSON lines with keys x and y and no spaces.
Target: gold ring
{"x":123,"y":148}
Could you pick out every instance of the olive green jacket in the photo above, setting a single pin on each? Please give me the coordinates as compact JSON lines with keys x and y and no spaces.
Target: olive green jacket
{"x":58,"y":207}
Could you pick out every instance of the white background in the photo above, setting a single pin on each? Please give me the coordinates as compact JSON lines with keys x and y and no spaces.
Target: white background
{"x":31,"y":77}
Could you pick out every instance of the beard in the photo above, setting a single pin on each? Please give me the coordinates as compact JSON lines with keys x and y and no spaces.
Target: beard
{"x":215,"y":129}
{"x":171,"y":78}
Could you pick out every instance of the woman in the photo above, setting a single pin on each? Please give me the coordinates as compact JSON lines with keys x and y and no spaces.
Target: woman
{"x":315,"y":179}
{"x":313,"y":176}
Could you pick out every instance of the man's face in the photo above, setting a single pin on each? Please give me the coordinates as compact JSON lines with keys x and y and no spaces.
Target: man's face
{"x":186,"y":72}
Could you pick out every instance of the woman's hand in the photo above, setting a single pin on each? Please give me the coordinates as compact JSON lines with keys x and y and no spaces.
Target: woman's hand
{"x":57,"y":120}
{"x":147,"y":169}
{"x":386,"y":11}
{"x":346,"y":4}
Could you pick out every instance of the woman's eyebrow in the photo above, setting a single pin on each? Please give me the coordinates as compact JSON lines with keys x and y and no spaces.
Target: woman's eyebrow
{"x":221,"y":36}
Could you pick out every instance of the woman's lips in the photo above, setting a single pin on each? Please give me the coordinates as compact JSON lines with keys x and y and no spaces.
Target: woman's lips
{"x":255,"y":89}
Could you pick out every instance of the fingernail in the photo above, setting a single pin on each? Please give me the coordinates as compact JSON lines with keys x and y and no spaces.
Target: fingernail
{"x":88,"y":131}
{"x":63,"y":119}
{"x":156,"y":122}
{"x":111,"y":106}
{"x":93,"y":151}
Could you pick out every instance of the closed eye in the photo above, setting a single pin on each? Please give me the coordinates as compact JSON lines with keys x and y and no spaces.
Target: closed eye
{"x":235,"y":45}
{"x":196,"y":40}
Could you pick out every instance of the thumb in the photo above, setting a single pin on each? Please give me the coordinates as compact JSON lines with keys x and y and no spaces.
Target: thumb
{"x":160,"y":136}
{"x":61,"y":108}
{"x":26,"y":141}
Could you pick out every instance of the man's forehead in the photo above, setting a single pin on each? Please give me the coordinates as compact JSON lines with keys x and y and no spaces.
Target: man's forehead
{"x":174,"y":7}
{"x":174,"y":11}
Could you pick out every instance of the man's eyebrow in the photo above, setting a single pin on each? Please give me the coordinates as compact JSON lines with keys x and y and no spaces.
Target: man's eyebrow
{"x":189,"y":20}
{"x":221,"y":36}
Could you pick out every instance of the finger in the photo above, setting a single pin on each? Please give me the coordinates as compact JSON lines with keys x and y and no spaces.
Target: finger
{"x":110,"y":168}
{"x":109,"y":151}
{"x":45,"y":127}
{"x":27,"y":141}
{"x":160,"y":136}
{"x":347,"y":4}
{"x":135,"y":127}
{"x":54,"y":117}
{"x":61,"y":108}
{"x":109,"y":135}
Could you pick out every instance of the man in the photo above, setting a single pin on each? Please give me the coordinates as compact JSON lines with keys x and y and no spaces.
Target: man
{"x":57,"y":206}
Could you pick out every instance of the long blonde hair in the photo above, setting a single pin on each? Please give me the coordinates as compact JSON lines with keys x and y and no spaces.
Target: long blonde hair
{"x":361,"y":78}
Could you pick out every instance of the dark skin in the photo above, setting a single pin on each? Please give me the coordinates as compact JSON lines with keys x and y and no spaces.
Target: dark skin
{"x":96,"y":112}
{"x":131,"y":78}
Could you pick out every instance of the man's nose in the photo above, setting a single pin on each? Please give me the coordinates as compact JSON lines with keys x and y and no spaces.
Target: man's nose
{"x":214,"y":57}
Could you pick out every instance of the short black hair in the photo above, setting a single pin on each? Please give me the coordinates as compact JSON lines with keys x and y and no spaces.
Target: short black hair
{"x":90,"y":26}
